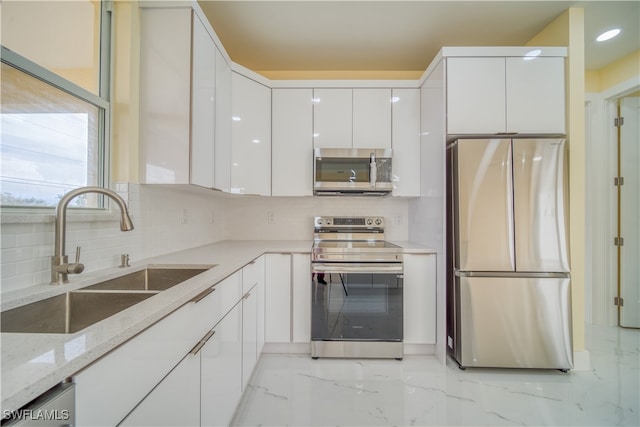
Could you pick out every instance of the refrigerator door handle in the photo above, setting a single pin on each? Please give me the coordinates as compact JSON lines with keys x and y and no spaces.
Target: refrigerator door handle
{"x":534,"y":274}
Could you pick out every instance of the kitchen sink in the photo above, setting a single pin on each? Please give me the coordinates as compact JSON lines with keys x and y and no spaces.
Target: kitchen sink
{"x":75,"y":310}
{"x":69,"y":312}
{"x":150,"y":279}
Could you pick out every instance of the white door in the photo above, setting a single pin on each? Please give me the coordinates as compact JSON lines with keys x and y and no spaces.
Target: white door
{"x":630,"y":212}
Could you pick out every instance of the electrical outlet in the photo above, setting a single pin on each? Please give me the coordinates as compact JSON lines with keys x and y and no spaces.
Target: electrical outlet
{"x":397,"y":220}
{"x":271,"y":218}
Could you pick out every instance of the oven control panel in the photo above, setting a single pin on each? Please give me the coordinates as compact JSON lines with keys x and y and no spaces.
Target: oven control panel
{"x":349,"y":222}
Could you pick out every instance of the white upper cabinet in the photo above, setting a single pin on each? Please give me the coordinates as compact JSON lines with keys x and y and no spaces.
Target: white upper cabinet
{"x":203,"y":106}
{"x":292,"y":144}
{"x":405,"y":109}
{"x":352,"y":118}
{"x":165,"y":95}
{"x":332,"y":118}
{"x":251,"y":137}
{"x":491,"y":95}
{"x":371,"y":118}
{"x":476,"y":95}
{"x":223,"y":124}
{"x":177,"y":90}
{"x":535,"y":95}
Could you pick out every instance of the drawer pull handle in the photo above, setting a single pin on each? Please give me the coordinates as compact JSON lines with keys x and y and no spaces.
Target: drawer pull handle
{"x":202,"y":342}
{"x":202,"y":295}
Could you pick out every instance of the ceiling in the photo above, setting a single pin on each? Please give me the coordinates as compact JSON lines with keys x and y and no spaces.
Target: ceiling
{"x":400,"y":36}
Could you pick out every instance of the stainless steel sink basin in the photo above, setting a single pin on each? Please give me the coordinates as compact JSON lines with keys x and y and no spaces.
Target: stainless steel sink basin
{"x":69,"y":312}
{"x":76,"y":310}
{"x":150,"y":279}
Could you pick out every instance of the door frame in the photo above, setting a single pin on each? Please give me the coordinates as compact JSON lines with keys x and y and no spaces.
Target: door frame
{"x":602,"y":202}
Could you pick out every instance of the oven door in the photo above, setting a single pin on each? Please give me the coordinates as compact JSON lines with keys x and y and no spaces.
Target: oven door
{"x":359,"y":302}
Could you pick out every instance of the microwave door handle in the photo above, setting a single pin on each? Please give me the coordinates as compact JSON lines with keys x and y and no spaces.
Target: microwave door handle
{"x":373,"y":170}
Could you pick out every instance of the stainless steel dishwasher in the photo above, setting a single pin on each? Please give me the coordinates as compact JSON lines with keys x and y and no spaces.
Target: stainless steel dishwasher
{"x":55,"y":407}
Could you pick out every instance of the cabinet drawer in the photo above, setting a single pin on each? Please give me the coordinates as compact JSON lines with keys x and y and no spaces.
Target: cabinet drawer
{"x":252,"y":273}
{"x":124,"y":377}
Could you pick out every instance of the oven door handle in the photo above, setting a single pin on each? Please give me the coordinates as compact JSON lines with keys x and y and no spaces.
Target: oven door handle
{"x":355,"y":267}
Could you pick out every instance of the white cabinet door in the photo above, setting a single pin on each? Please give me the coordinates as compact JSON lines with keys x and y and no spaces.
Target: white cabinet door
{"x":292,"y":144}
{"x":332,"y":118}
{"x":535,"y":95}
{"x":371,"y":118}
{"x":249,"y":335}
{"x":251,"y":137}
{"x":202,"y":106}
{"x":173,"y":402}
{"x":221,"y":371}
{"x":476,"y":95}
{"x":260,"y":309}
{"x":405,"y":108}
{"x":223,"y":124}
{"x":278,"y":298}
{"x":301,"y":310}
{"x":165,"y":95}
{"x":419,"y":299}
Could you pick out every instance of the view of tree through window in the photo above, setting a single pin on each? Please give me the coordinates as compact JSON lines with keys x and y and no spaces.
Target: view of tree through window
{"x":49,"y":144}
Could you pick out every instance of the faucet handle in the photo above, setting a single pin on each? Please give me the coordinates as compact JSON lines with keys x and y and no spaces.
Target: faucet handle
{"x":77,"y":255}
{"x":76,"y":267}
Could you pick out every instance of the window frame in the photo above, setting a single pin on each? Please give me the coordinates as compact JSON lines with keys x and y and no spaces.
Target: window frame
{"x":101,"y":101}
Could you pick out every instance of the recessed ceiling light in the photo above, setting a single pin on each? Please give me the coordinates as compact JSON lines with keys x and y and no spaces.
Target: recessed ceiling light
{"x":607,"y":35}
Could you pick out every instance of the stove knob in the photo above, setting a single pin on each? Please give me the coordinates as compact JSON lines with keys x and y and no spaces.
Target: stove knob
{"x":369,"y":221}
{"x":378,"y":221}
{"x":328,"y":221}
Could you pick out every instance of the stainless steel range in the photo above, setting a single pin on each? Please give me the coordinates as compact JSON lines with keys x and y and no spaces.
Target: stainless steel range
{"x":357,"y":285}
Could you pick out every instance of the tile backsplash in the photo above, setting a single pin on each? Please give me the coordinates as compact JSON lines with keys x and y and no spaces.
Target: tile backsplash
{"x":169,"y":219}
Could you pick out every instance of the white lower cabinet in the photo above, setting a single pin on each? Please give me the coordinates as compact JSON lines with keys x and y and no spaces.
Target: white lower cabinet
{"x":301,"y":289}
{"x":187,"y":369}
{"x":173,"y":402}
{"x":278,"y":298}
{"x":221,"y":371}
{"x":419,"y":299}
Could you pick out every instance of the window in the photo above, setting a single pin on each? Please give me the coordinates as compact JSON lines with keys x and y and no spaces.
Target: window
{"x":54,"y":104}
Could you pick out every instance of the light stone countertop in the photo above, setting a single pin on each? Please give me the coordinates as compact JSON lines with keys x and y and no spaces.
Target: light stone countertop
{"x":33,"y":363}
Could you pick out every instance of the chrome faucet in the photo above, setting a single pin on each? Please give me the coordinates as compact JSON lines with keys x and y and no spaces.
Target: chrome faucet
{"x":60,"y":266}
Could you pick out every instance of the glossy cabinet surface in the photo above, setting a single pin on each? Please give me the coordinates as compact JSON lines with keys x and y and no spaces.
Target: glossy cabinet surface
{"x":249,"y":334}
{"x":371,"y":118}
{"x":492,"y":95}
{"x":535,"y":95}
{"x":292,"y":144}
{"x":278,"y":298}
{"x":140,"y":363}
{"x":251,"y":137}
{"x":221,"y":370}
{"x":476,"y":95}
{"x":405,"y":109}
{"x":222,"y":150}
{"x":173,"y":402}
{"x":332,"y":118}
{"x":419,"y":299}
{"x":301,"y":289}
{"x":165,"y":95}
{"x":203,"y":86}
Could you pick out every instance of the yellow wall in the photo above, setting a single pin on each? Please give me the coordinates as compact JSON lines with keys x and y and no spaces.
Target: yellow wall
{"x":568,"y":30}
{"x":614,"y":73}
{"x":125,"y":91}
{"x":342,"y":75}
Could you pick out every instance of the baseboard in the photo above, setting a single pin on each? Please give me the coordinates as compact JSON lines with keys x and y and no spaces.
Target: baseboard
{"x":305,"y":348}
{"x":581,"y":360}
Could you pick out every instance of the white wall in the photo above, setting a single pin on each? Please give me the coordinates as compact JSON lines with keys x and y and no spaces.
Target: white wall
{"x":248,"y":216}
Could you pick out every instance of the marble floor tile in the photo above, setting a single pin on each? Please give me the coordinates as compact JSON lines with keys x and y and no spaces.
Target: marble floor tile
{"x":295,"y":390}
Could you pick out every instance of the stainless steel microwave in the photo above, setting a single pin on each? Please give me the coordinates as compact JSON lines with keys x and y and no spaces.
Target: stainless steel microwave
{"x":358,"y":171}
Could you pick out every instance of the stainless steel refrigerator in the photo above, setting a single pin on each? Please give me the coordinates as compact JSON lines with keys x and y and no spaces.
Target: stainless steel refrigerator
{"x":508,"y":277}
